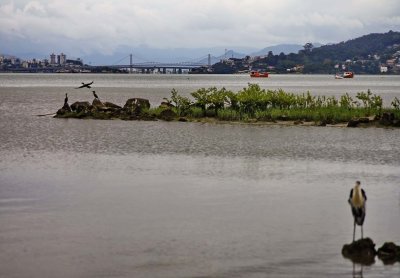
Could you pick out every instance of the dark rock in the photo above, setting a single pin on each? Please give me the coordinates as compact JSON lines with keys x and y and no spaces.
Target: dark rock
{"x":396,"y":123}
{"x":363,"y":120}
{"x":298,"y":122}
{"x":387,"y":118}
{"x":361,"y":251}
{"x":81,"y":106}
{"x":167,"y":115}
{"x":65,"y":109}
{"x":98,"y":105}
{"x":353,"y":123}
{"x":322,"y":123}
{"x":182,"y":119}
{"x":136,"y":105}
{"x":112,"y":106}
{"x":389,"y":253}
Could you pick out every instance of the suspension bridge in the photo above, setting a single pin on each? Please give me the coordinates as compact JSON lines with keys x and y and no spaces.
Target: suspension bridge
{"x":159,"y":67}
{"x":126,"y":64}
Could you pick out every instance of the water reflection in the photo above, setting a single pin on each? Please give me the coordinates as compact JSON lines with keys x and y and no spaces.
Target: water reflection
{"x":358,"y":270}
{"x":358,"y":265}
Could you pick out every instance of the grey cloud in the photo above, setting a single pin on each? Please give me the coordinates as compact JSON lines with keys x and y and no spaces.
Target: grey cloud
{"x":89,"y":26}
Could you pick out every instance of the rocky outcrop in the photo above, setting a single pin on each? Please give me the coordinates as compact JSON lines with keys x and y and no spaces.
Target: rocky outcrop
{"x":389,"y":119}
{"x":134,"y":109}
{"x":112,"y":106}
{"x":167,"y":115}
{"x":360,"y":251}
{"x":389,"y":253}
{"x":363,"y":251}
{"x":81,"y":106}
{"x":358,"y":121}
{"x":135,"y":106}
{"x":98,"y":105}
{"x":65,"y":109}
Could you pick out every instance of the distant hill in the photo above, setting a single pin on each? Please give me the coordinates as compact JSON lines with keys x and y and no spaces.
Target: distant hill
{"x":276,"y":49}
{"x":227,"y":55}
{"x":362,"y":47}
{"x":285,"y":48}
{"x":365,"y":54}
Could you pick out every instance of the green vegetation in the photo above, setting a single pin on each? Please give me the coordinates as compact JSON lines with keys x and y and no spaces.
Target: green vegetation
{"x":256,"y":104}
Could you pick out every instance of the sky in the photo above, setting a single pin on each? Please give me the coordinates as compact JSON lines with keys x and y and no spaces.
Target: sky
{"x":88,"y":27}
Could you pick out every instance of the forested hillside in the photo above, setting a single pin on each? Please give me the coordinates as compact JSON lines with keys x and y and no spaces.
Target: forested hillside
{"x":370,"y":54}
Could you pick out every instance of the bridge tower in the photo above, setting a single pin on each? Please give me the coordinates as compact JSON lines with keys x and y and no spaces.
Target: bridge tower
{"x":130,"y":60}
{"x":209,"y":60}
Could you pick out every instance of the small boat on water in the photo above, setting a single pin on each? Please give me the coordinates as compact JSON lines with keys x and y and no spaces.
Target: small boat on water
{"x":346,"y":74}
{"x":256,"y":73}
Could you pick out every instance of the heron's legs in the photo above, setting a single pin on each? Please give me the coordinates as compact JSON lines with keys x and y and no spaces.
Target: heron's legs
{"x":362,"y":232}
{"x":354,"y":231}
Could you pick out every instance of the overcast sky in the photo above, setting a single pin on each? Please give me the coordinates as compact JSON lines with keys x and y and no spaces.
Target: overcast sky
{"x":82,"y":27}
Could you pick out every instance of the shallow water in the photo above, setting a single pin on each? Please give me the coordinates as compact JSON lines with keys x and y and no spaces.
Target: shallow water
{"x":87,"y":198}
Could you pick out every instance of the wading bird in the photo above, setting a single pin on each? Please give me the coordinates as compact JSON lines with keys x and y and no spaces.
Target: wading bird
{"x":95,"y":95}
{"x":66,"y":98}
{"x":357,"y":200}
{"x":85,"y":85}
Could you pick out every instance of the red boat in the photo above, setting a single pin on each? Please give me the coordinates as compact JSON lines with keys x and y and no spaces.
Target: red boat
{"x":348,"y":74}
{"x":255,"y":73}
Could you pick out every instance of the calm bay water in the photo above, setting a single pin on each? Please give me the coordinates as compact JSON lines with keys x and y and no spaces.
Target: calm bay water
{"x":87,"y":198}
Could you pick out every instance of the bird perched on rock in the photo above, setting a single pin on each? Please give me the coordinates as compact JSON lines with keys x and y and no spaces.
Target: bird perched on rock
{"x":66,"y":98}
{"x":95,"y":95}
{"x":357,"y":200}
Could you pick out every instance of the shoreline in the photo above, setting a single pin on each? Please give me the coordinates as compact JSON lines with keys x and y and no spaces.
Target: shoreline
{"x":371,"y":123}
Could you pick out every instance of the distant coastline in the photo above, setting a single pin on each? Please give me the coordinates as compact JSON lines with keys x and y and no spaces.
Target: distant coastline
{"x":369,"y":54}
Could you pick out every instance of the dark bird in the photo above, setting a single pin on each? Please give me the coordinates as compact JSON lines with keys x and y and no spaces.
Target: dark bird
{"x":357,"y":200}
{"x":95,"y":95}
{"x":66,"y":98}
{"x":85,"y":85}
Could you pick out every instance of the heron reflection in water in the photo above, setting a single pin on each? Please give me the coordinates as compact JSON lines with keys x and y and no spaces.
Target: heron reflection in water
{"x":358,"y":273}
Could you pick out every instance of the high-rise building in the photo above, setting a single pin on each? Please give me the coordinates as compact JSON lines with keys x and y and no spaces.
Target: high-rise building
{"x":52,"y":59}
{"x":63,"y":59}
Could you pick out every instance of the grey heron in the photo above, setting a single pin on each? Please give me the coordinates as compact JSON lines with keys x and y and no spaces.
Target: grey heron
{"x":357,"y":201}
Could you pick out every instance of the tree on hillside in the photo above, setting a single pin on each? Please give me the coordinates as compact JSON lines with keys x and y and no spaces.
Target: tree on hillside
{"x":308,"y":47}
